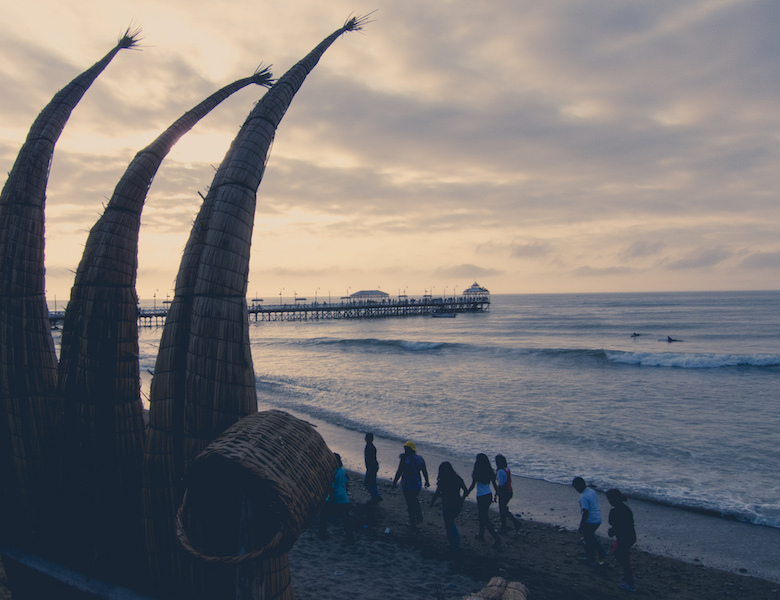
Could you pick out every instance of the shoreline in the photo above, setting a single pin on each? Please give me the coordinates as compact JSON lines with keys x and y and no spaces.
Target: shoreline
{"x":388,"y":556}
{"x":667,"y":531}
{"x":390,"y":560}
{"x":679,"y":555}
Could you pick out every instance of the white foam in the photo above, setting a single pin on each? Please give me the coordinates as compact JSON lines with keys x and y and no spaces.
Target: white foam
{"x":692,"y":360}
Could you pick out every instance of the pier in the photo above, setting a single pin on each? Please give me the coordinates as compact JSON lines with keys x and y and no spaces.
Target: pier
{"x":365,"y":304}
{"x":369,"y":309}
{"x":351,"y":309}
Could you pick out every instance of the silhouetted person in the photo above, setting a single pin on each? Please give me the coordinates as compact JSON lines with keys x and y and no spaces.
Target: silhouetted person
{"x":621,"y":522}
{"x":372,"y":468}
{"x":448,"y":486}
{"x":410,"y":466}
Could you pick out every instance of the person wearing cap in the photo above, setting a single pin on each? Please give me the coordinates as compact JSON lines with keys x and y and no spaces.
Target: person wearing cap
{"x":410,"y":468}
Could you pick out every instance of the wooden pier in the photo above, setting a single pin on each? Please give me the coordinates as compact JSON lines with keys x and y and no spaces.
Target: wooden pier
{"x":368,"y":309}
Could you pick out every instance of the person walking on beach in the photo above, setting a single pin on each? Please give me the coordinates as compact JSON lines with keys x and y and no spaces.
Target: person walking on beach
{"x":338,"y":503}
{"x":448,"y":487}
{"x":372,"y":468}
{"x":410,"y":466}
{"x":504,"y":494}
{"x":621,"y":526}
{"x":590,"y":521}
{"x":481,"y":478}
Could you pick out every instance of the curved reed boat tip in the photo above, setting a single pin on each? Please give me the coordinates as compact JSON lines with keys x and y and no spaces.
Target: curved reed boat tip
{"x":130,"y":38}
{"x":357,"y":22}
{"x":263,"y":76}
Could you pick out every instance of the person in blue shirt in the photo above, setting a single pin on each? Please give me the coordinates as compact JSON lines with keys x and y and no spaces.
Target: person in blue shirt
{"x":338,"y":503}
{"x":410,"y":466}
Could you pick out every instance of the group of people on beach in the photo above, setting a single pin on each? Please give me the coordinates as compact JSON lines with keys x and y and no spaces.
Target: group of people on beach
{"x":452,"y":490}
{"x":449,"y":486}
{"x":492,"y":485}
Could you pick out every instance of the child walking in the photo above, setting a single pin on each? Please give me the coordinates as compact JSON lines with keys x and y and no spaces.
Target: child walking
{"x":504,"y":494}
{"x":621,"y":526}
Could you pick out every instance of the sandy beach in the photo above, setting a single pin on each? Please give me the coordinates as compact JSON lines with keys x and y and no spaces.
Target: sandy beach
{"x":389,"y":560}
{"x":679,"y":554}
{"x":664,"y":530}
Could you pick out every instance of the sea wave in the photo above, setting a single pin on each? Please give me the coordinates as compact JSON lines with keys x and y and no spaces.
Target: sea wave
{"x":684,"y":360}
{"x":681,"y":360}
{"x":725,"y":507}
{"x":369,"y":344}
{"x":404,"y":345}
{"x":292,"y":396}
{"x":295,"y":396}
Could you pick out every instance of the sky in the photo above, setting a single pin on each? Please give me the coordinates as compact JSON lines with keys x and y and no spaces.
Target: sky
{"x":535,"y":147}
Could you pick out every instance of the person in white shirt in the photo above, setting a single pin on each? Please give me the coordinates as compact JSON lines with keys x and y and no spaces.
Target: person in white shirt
{"x":504,"y":494}
{"x":481,"y":478}
{"x":590,"y":521}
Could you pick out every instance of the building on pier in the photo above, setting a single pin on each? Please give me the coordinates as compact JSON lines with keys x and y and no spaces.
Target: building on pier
{"x":369,"y":295}
{"x":365,"y":304}
{"x":476,"y":290}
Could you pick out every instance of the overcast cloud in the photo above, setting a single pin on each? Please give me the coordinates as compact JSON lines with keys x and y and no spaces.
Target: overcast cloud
{"x":560,"y":146}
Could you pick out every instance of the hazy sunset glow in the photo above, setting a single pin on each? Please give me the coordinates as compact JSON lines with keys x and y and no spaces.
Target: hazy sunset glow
{"x":533,"y":147}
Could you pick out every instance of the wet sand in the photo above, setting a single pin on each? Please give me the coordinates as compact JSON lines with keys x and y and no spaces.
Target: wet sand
{"x":680,"y":555}
{"x":389,"y":560}
{"x":672,"y":532}
{"x":699,"y":539}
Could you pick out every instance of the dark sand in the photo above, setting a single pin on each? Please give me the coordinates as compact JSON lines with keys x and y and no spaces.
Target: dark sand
{"x":664,"y":530}
{"x":388,"y":560}
{"x":546,"y":558}
{"x":679,"y":554}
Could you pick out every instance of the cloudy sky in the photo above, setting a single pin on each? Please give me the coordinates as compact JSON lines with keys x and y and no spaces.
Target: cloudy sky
{"x":556,"y":146}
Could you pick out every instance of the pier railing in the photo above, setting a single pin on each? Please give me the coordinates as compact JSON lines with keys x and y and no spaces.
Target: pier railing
{"x":362,"y":309}
{"x":368,"y":309}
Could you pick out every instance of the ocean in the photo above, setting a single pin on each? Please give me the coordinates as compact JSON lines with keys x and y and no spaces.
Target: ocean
{"x":560,"y":386}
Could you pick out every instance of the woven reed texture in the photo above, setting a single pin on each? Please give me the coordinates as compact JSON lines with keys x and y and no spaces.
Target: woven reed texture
{"x":27,"y":388}
{"x":218,"y":389}
{"x":283,"y":468}
{"x":99,"y":371}
{"x":204,"y":377}
{"x":499,"y":588}
{"x":27,"y":358}
{"x":277,"y":579}
{"x":286,"y":466}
